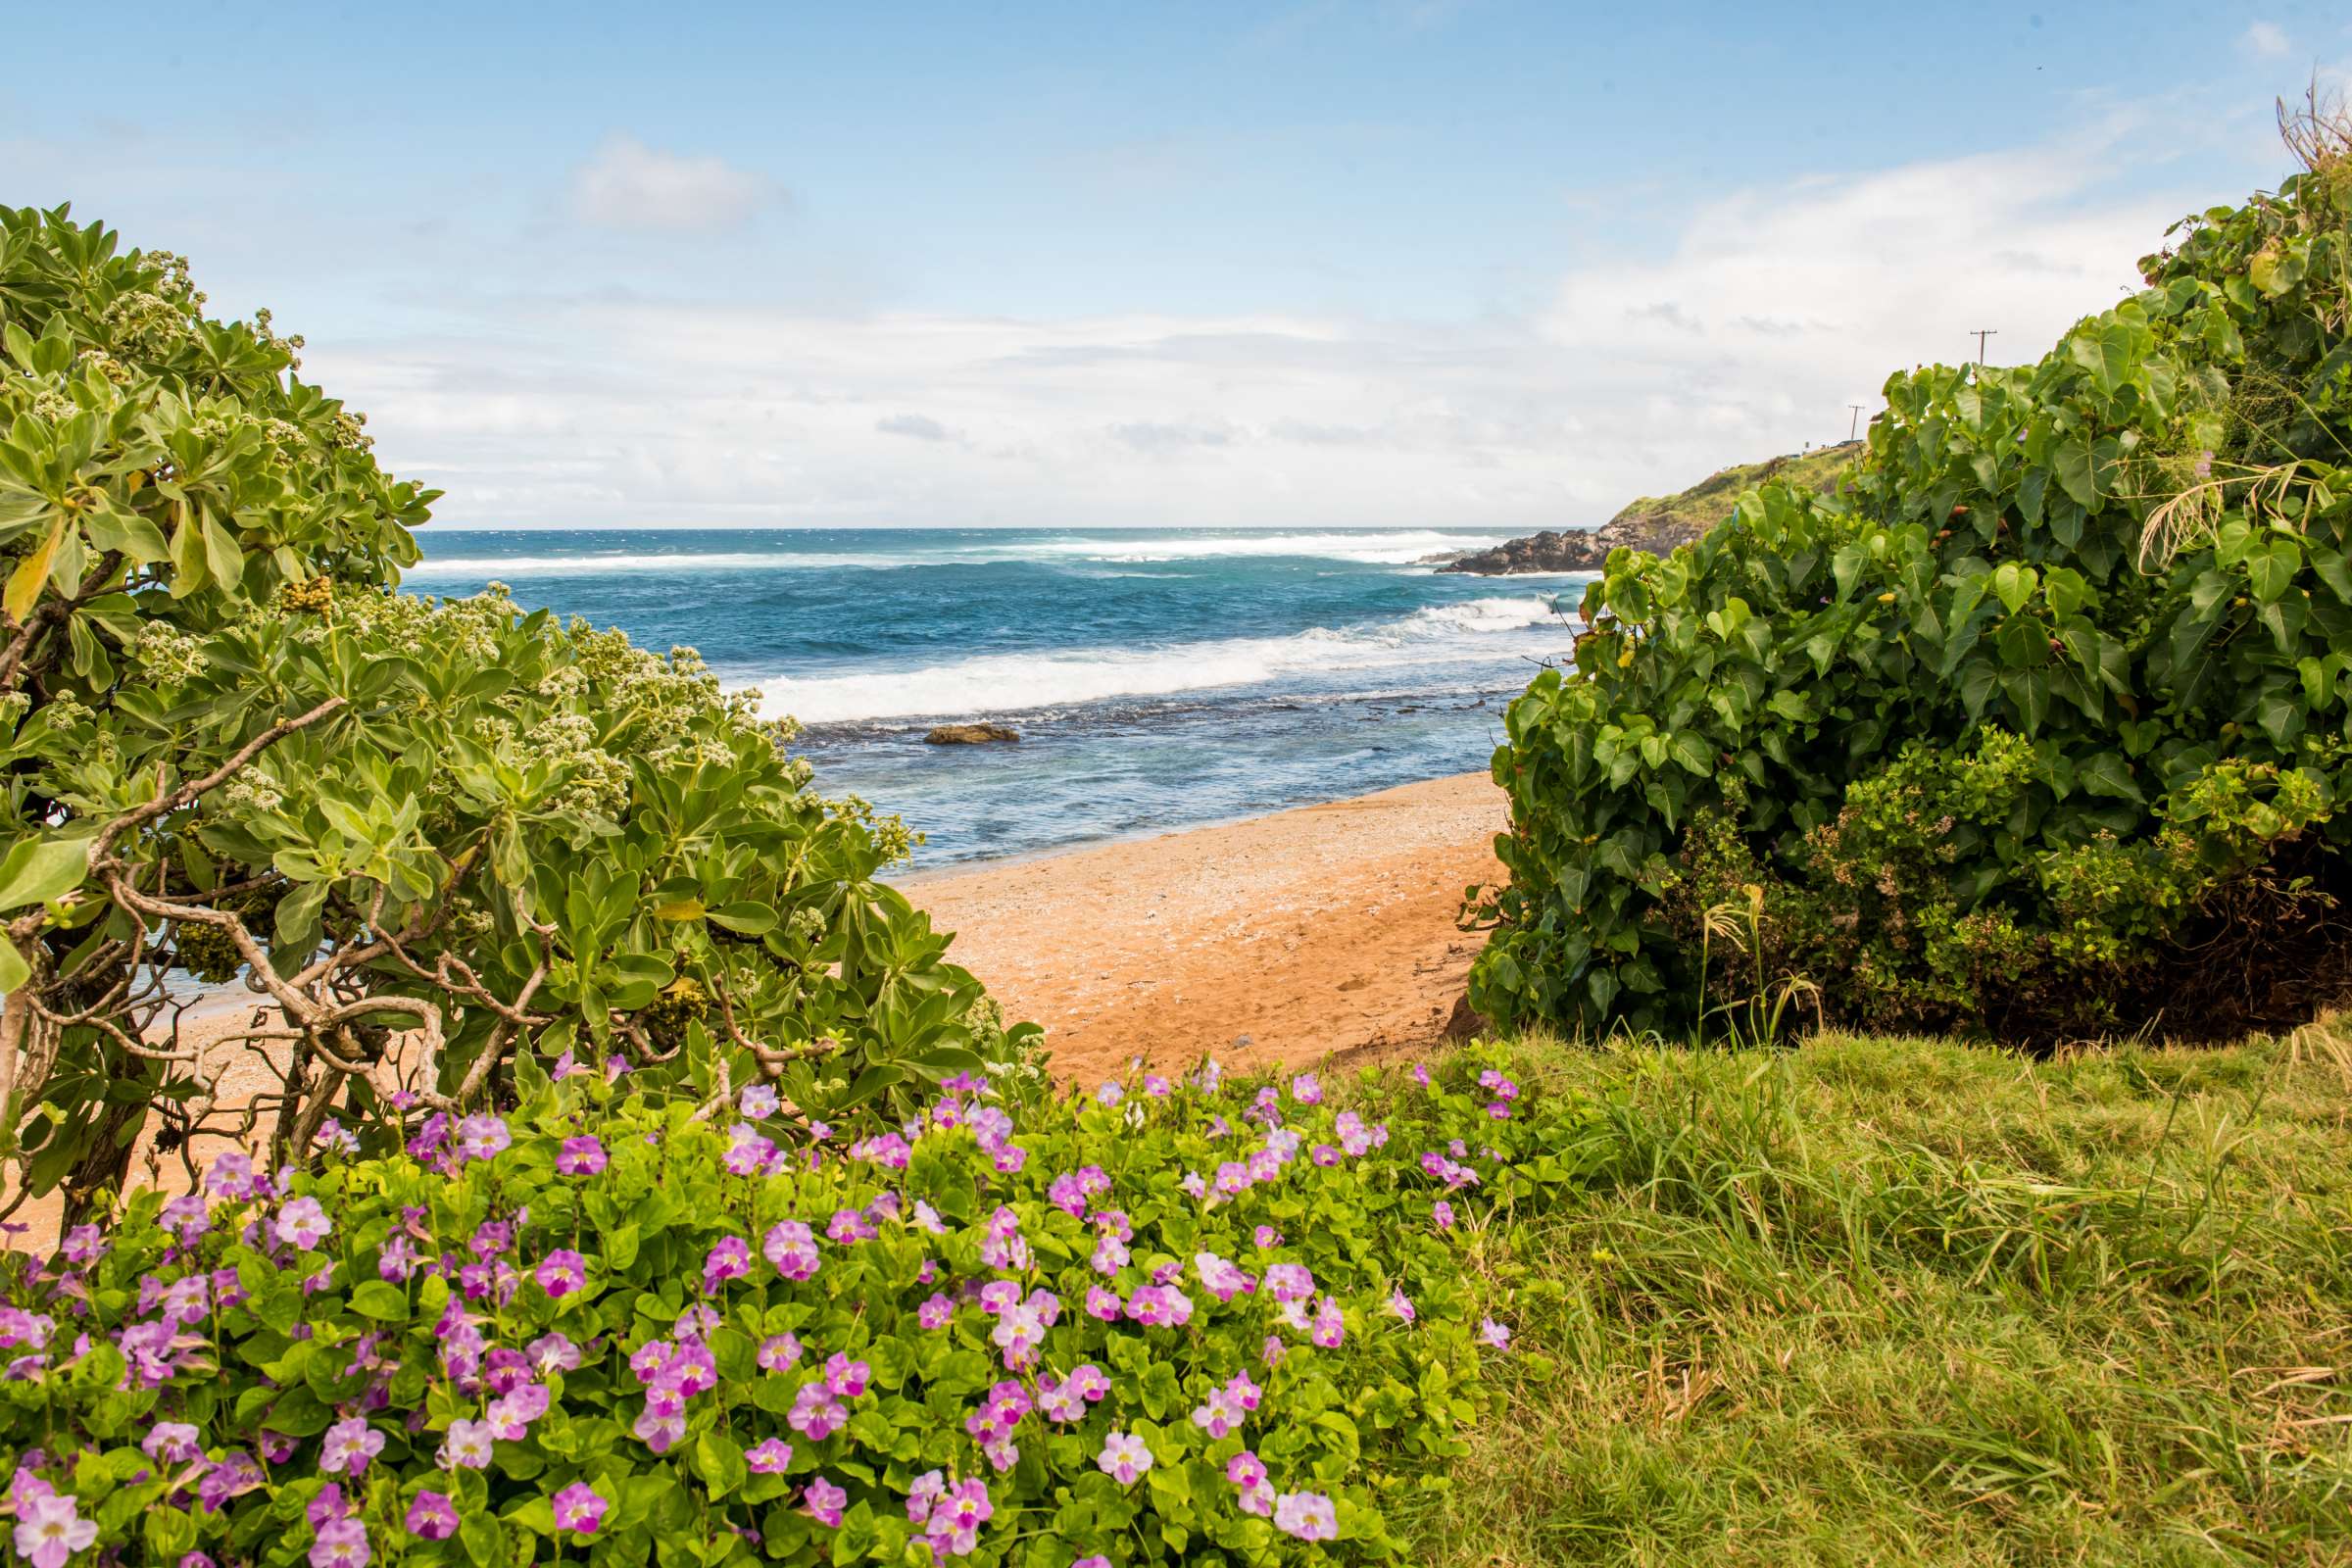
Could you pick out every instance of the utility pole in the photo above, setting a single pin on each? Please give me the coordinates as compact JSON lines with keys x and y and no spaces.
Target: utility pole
{"x":1980,"y":334}
{"x":1853,"y":426}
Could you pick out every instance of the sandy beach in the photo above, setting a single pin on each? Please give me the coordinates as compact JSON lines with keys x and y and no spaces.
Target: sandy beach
{"x":1322,"y":931}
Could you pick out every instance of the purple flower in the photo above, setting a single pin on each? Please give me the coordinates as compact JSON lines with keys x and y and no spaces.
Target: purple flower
{"x":848,"y":1225}
{"x":815,"y":1415}
{"x":757,"y":1101}
{"x":186,"y":1217}
{"x":844,"y":1378}
{"x":301,"y":1224}
{"x":340,"y":1544}
{"x":1290,"y":1282}
{"x":769,"y":1458}
{"x":1330,"y":1328}
{"x":432,"y":1517}
{"x":232,"y":1477}
{"x":561,"y":1272}
{"x":1443,"y":1212}
{"x":1308,"y":1089}
{"x":779,"y":1351}
{"x":468,"y":1444}
{"x":171,"y":1442}
{"x":1124,"y":1458}
{"x":825,"y":1501}
{"x":1307,"y":1515}
{"x":232,"y":1176}
{"x":50,"y":1529}
{"x":579,"y":1510}
{"x":1494,"y":1335}
{"x":553,"y":1352}
{"x":482,"y":1136}
{"x":937,"y":1312}
{"x":580,"y":1157}
{"x":729,"y":1259}
{"x":748,"y":1152}
{"x":350,"y":1444}
{"x":792,"y":1249}
{"x":84,"y":1245}
{"x":1400,"y":1306}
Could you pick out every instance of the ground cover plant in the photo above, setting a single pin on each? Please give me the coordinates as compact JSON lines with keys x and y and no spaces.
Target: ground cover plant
{"x":1195,"y":1321}
{"x":2040,"y":727}
{"x":1882,"y":1301}
{"x":232,"y":751}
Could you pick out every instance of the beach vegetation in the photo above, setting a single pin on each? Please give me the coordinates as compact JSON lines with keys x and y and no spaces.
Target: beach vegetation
{"x":437,"y":844}
{"x":2037,"y":727}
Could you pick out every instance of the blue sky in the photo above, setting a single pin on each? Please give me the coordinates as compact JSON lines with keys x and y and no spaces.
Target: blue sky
{"x":1377,"y":263}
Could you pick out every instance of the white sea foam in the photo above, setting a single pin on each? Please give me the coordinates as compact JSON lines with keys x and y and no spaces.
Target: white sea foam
{"x":1383,"y":547}
{"x":507,"y":568}
{"x":1468,"y":632}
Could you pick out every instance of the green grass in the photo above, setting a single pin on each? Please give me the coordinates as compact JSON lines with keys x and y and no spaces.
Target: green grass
{"x":1687,"y":513}
{"x":1907,"y":1301}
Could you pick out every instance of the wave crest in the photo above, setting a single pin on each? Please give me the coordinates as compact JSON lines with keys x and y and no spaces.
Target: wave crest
{"x":1459,"y":633}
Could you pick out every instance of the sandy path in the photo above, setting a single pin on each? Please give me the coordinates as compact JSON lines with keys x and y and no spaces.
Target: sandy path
{"x":1326,"y":929}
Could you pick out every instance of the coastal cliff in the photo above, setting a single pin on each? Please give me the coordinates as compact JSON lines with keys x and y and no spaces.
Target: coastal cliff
{"x":1655,"y":523}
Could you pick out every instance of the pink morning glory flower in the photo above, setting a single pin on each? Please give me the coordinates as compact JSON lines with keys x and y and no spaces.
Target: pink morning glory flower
{"x":432,"y":1517}
{"x":560,"y":1273}
{"x":579,"y":1510}
{"x":1307,"y":1515}
{"x":768,"y":1458}
{"x":1124,"y":1458}
{"x":825,"y":1501}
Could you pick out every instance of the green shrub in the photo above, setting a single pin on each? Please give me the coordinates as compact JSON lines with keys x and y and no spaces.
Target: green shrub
{"x":1201,"y":1322}
{"x":2039,"y":727}
{"x":435,"y":837}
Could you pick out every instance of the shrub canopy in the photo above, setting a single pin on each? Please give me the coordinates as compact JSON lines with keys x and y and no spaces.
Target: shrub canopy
{"x":431,"y":836}
{"x":2039,"y":727}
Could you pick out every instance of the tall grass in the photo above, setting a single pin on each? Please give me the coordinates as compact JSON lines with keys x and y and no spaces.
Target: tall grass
{"x":1892,"y":1300}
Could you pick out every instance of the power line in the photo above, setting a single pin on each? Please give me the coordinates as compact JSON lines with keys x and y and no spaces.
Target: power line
{"x":1980,"y":334}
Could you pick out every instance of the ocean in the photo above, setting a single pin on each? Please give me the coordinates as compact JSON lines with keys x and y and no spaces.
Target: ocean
{"x":1158,"y":679}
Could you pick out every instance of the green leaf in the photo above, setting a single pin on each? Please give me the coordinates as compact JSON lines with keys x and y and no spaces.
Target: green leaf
{"x":222,"y":554}
{"x":719,"y":1462}
{"x":40,"y":869}
{"x":2014,"y":584}
{"x":2272,"y":566}
{"x":2070,"y":462}
{"x":2107,"y":773}
{"x":2107,"y":354}
{"x":381,"y":1300}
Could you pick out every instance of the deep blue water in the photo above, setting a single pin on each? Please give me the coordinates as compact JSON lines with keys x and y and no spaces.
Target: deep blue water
{"x":1159,"y":678}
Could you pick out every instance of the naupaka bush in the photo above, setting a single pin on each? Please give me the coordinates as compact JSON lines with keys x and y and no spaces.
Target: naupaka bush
{"x":433,"y":837}
{"x":1196,"y":1321}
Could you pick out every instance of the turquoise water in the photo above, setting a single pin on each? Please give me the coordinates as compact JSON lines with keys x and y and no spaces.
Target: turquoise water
{"x":1159,"y":679}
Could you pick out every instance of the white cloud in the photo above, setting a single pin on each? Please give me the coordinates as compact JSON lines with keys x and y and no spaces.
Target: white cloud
{"x":2267,"y":39}
{"x":627,"y":184}
{"x":1746,"y":333}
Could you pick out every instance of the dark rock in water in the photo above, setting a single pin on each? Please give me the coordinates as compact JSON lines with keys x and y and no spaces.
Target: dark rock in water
{"x":1550,"y":551}
{"x":970,"y":734}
